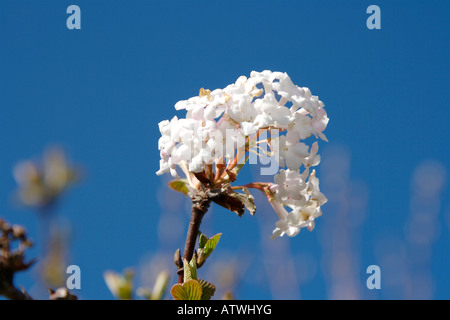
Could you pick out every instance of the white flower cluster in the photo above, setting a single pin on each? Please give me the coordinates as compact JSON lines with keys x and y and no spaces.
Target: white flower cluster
{"x":265,"y":101}
{"x":303,"y":199}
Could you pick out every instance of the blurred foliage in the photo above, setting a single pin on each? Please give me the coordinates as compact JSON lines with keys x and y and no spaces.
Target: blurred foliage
{"x":121,"y":285}
{"x":40,"y":183}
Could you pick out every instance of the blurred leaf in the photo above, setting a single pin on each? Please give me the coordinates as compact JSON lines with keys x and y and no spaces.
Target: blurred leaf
{"x":159,"y":288}
{"x":180,"y":185}
{"x":145,"y":293}
{"x":121,"y":286}
{"x":190,"y":290}
{"x":40,"y":183}
{"x":161,"y":283}
{"x":228,"y":296}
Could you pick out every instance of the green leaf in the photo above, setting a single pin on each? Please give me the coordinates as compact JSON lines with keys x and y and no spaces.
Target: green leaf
{"x":208,"y":289}
{"x":206,"y":247}
{"x":202,"y":239}
{"x":190,"y":290}
{"x":211,"y":245}
{"x":190,"y":269}
{"x":120,"y":285}
{"x":180,"y":185}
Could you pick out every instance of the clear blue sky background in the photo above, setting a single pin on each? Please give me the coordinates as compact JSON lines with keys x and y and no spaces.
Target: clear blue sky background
{"x":100,"y":92}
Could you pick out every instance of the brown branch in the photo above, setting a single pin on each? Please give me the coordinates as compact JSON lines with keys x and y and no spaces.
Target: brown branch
{"x":13,"y":293}
{"x":200,"y":205}
{"x":12,"y":261}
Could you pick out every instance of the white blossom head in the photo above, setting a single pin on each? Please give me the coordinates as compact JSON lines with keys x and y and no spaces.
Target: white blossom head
{"x":223,"y":127}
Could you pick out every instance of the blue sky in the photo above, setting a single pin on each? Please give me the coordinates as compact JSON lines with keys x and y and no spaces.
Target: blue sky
{"x":100,"y":92}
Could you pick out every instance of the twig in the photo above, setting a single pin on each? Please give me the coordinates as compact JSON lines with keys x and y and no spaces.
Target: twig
{"x":13,"y":293}
{"x":200,"y":205}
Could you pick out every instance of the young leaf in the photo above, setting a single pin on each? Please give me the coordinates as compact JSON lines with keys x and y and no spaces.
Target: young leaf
{"x":200,"y":257}
{"x":211,"y":245}
{"x":202,"y":240}
{"x":206,"y":247}
{"x":190,"y":269}
{"x":180,"y":185}
{"x":208,"y":289}
{"x":190,"y":290}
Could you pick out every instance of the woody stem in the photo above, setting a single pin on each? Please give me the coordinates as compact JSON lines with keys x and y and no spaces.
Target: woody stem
{"x":200,"y":206}
{"x":13,"y":293}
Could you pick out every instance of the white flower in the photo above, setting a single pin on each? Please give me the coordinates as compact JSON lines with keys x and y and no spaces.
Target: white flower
{"x":319,"y":122}
{"x":291,"y":151}
{"x":221,"y":128}
{"x":302,"y":199}
{"x":313,"y":159}
{"x":301,"y":216}
{"x":166,"y":165}
{"x":289,"y":186}
{"x":246,"y":106}
{"x":314,"y":191}
{"x":248,"y":128}
{"x":290,"y":225}
{"x":301,"y":125}
{"x":279,"y":115}
{"x":290,"y":92}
